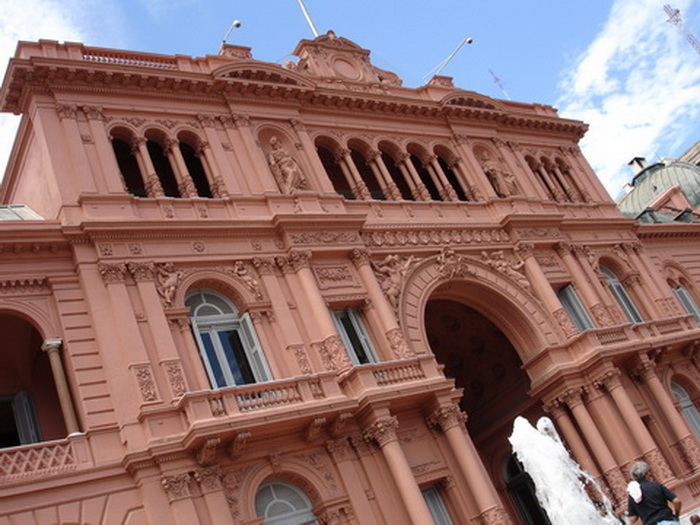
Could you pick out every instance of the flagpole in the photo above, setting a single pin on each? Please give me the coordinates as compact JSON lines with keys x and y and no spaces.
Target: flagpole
{"x":308,"y":18}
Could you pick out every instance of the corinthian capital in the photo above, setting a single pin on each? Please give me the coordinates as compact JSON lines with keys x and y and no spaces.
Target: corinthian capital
{"x":446,"y":417}
{"x":382,"y":431}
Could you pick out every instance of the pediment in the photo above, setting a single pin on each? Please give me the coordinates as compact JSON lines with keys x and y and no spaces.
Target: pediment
{"x":262,"y":72}
{"x":469,"y":99}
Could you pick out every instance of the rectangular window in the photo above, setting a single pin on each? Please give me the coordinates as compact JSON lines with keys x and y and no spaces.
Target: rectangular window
{"x":354,"y":336}
{"x":572,"y":304}
{"x":436,"y":506}
{"x":687,"y":302}
{"x":625,"y":302}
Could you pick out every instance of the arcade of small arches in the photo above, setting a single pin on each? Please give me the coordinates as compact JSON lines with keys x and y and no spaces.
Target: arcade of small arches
{"x":158,"y":163}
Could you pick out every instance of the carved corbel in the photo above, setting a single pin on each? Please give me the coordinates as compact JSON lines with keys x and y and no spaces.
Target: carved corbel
{"x":339,"y":424}
{"x":237,"y":446}
{"x":314,"y":428}
{"x":207,"y":454}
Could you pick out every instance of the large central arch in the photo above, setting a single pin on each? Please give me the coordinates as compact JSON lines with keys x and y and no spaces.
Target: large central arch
{"x":482,"y":326}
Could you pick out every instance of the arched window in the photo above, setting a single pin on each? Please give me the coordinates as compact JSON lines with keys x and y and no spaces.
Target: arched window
{"x":196,"y":170}
{"x":227,"y":343}
{"x":621,"y":295}
{"x":687,"y":302}
{"x":129,"y":168}
{"x":688,"y":410}
{"x":335,"y":173}
{"x":281,"y":503}
{"x":163,"y":169}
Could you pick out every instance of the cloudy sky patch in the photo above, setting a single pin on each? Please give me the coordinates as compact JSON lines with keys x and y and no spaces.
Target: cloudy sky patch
{"x":638,"y":86}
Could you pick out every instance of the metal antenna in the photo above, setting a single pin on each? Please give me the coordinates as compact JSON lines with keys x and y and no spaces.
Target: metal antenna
{"x":498,"y":82}
{"x":308,"y":18}
{"x":438,"y":69}
{"x":674,"y":17}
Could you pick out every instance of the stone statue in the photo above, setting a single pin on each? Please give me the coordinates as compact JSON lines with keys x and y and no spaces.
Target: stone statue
{"x":498,"y":262}
{"x":502,"y":181}
{"x":285,"y":168}
{"x":168,"y":280}
{"x":251,"y":282}
{"x":394,"y":271}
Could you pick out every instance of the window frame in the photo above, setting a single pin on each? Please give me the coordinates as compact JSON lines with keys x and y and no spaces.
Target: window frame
{"x":361,"y":334}
{"x":436,"y":505}
{"x":578,"y":314}
{"x":687,"y":301}
{"x":208,"y":331}
{"x":619,"y":292}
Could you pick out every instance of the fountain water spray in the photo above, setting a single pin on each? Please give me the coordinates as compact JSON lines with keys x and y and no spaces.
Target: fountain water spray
{"x":560,"y":484}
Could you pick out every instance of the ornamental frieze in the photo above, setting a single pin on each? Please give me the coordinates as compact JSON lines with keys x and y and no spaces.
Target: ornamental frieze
{"x":334,"y":276}
{"x":434,"y":237}
{"x":323,"y":237}
{"x":539,"y":233}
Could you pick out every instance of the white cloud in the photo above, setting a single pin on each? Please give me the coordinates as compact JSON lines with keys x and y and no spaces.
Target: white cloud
{"x":63,"y":20}
{"x":637,"y":85}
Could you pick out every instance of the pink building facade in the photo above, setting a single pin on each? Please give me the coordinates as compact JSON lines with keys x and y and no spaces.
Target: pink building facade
{"x":233,"y":292}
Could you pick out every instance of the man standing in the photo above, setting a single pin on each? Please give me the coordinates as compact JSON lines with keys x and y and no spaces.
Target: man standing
{"x":649,"y":501}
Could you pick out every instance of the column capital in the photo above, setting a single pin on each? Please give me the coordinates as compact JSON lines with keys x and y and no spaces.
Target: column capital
{"x":209,"y":479}
{"x":525,"y":249}
{"x":50,"y":345}
{"x":446,"y":417}
{"x":141,"y":271}
{"x":382,"y":431}
{"x":609,"y":380}
{"x":563,"y":248}
{"x":360,"y":257}
{"x":177,"y":486}
{"x":112,"y":272}
{"x":556,"y":407}
{"x":571,"y":397}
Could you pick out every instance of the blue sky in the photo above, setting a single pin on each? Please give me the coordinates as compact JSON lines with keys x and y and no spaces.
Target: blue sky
{"x":616,"y":64}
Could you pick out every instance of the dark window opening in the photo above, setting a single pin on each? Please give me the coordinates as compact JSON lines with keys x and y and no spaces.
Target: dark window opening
{"x":426,"y":179}
{"x":196,"y":170}
{"x":129,"y":168}
{"x":163,"y":169}
{"x":453,"y":180}
{"x":335,"y":174}
{"x":397,"y":177}
{"x":367,"y":175}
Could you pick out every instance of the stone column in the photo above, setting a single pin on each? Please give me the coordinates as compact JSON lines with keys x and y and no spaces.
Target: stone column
{"x":662,"y":294}
{"x":383,"y":431}
{"x":177,"y":488}
{"x":611,"y":471}
{"x":447,"y":192}
{"x":541,"y":286}
{"x":342,"y":455}
{"x":637,"y":430}
{"x":635,"y":282}
{"x":385,"y":313}
{"x":450,"y":419}
{"x":410,"y":175}
{"x":347,"y":165}
{"x":148,"y":171}
{"x":52,"y":348}
{"x":323,"y":331}
{"x":185,"y":185}
{"x":557,"y":409}
{"x":206,"y":156}
{"x":209,"y":481}
{"x":470,"y":191}
{"x":685,"y":444}
{"x":382,"y":173}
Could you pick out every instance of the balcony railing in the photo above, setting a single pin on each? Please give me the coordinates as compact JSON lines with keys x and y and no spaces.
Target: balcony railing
{"x":44,"y":459}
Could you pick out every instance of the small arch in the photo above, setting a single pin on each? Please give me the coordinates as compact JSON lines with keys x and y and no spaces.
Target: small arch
{"x":190,"y":148}
{"x":279,"y":502}
{"x":328,"y":151}
{"x":122,"y":146}
{"x":156,"y":140}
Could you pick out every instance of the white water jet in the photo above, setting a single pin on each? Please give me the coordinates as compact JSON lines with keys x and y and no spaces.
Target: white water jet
{"x":560,"y":483}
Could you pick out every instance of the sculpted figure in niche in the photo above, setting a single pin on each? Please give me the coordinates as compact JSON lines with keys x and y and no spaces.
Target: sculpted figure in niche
{"x":502,"y":181}
{"x":168,"y":280}
{"x":285,"y":168}
{"x":393,"y":270}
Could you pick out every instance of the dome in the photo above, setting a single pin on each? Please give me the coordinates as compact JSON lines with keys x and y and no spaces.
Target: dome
{"x":655,"y":180}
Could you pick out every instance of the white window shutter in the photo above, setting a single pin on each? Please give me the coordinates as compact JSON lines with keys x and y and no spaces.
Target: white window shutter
{"x":253,"y":349}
